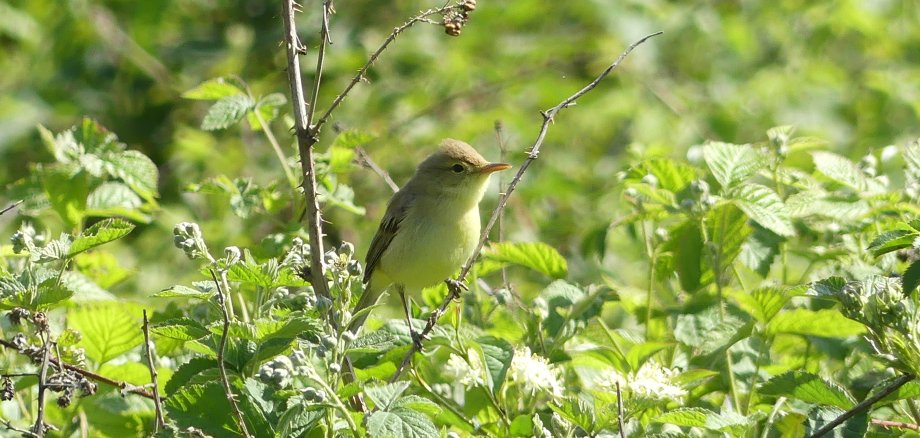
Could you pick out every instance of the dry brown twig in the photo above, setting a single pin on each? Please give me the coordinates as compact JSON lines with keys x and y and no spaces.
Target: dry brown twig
{"x":895,"y":424}
{"x":454,"y":286}
{"x":39,"y":428}
{"x":231,"y":397}
{"x":150,"y":349}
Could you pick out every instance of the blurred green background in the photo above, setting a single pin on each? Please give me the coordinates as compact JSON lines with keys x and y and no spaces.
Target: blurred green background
{"x":847,"y":71}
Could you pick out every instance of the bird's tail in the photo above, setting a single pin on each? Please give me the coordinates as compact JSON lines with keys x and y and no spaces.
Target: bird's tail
{"x":372,"y":293}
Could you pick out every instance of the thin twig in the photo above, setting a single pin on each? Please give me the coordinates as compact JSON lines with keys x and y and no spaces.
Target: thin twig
{"x":620,"y":411}
{"x":10,"y":207}
{"x":548,"y":116}
{"x":305,"y":141}
{"x":151,"y":350}
{"x":364,"y":159}
{"x":9,"y":426}
{"x":39,"y":428}
{"x":221,"y":301}
{"x":503,"y":152}
{"x":363,"y":70}
{"x":865,"y":404}
{"x":325,"y":40}
{"x":895,"y":424}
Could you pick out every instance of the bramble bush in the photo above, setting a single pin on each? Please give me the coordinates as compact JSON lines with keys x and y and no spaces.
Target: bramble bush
{"x":776,"y":296}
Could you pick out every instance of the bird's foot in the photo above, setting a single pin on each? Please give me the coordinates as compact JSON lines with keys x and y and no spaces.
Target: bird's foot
{"x":455,"y":287}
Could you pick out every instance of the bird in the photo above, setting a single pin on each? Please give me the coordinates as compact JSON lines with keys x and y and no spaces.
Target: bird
{"x":430,"y":227}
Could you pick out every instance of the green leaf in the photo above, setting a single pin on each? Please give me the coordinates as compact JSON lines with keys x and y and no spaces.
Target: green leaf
{"x":673,"y":176}
{"x":570,"y":305}
{"x":213,"y":89}
{"x":828,"y":323}
{"x":760,"y":249}
{"x":727,"y":229}
{"x":685,"y":417}
{"x":116,"y":199}
{"x":400,"y":423}
{"x":732,"y":164}
{"x":496,"y":355}
{"x":912,"y":161}
{"x":179,"y":291}
{"x":845,"y":172}
{"x":203,"y":407}
{"x":351,"y":139}
{"x":298,"y":420}
{"x":537,"y":256}
{"x":183,"y":329}
{"x":384,"y":395}
{"x":227,"y":111}
{"x":763,"y":303}
{"x":706,"y":331}
{"x":374,"y":342}
{"x":856,"y":426}
{"x":892,"y":241}
{"x":417,"y":403}
{"x":100,"y":233}
{"x":185,"y":372}
{"x":66,"y":191}
{"x":109,"y":329}
{"x":685,"y":242}
{"x":136,"y":170}
{"x":808,"y":388}
{"x":911,"y":277}
{"x":578,"y":412}
{"x":763,"y":206}
{"x":84,"y":289}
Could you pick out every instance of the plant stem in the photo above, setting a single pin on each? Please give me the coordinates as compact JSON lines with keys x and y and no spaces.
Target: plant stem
{"x":151,"y":350}
{"x":231,"y":397}
{"x":282,"y":159}
{"x":865,"y":404}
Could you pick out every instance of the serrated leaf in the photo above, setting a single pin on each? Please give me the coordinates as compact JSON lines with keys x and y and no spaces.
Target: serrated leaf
{"x":685,"y":417}
{"x":759,"y":250}
{"x":179,"y":291}
{"x":727,"y":229}
{"x":66,"y":190}
{"x":417,"y":403}
{"x":707,"y":331}
{"x":732,"y":164}
{"x":496,"y":356}
{"x":112,"y":199}
{"x":373,"y":342}
{"x":109,"y":330}
{"x":384,"y":395}
{"x":912,"y":161}
{"x":828,"y":323}
{"x":578,"y":412}
{"x":892,"y":241}
{"x":213,"y":89}
{"x":183,"y":329}
{"x":685,"y":242}
{"x":84,"y":289}
{"x":911,"y":277}
{"x":763,"y":206}
{"x":351,"y":139}
{"x":673,"y":176}
{"x":100,"y":233}
{"x":227,"y":111}
{"x":298,"y":420}
{"x":845,"y":172}
{"x":763,"y":303}
{"x":203,"y":407}
{"x":856,"y":426}
{"x":828,"y":287}
{"x":185,"y":372}
{"x":136,"y":170}
{"x":400,"y":423}
{"x":537,"y":256}
{"x":809,"y":388}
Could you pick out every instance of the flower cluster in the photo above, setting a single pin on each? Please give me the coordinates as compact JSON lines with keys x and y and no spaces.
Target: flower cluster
{"x":467,"y":371}
{"x":534,"y":373}
{"x":650,"y":382}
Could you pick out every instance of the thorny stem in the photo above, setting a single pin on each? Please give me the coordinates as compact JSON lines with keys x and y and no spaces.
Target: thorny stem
{"x":150,"y":349}
{"x":548,"y":118}
{"x":9,"y":426}
{"x":221,"y":300}
{"x":364,"y":159}
{"x":39,"y":428}
{"x":865,"y":404}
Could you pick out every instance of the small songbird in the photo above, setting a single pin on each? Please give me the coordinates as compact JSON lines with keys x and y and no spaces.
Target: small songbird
{"x":430,"y":227}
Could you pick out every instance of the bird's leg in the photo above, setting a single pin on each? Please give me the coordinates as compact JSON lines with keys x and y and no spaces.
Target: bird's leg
{"x":416,"y":338}
{"x":455,"y":287}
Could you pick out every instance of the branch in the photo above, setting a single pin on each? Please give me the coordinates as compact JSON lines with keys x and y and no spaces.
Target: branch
{"x":9,"y":426}
{"x":10,"y":207}
{"x":39,"y":428}
{"x":865,"y":404}
{"x":220,"y":358}
{"x":895,"y":424}
{"x":305,"y":140}
{"x":548,"y":117}
{"x":365,"y":160}
{"x":150,"y":349}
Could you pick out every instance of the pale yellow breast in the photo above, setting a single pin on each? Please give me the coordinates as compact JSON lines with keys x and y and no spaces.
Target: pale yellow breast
{"x":427,"y":250}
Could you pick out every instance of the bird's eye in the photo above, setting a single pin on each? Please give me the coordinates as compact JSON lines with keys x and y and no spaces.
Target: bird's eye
{"x":457,"y":168}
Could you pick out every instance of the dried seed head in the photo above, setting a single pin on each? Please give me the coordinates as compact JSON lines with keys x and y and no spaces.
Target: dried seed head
{"x":41,"y":320}
{"x":17,"y":314}
{"x":6,"y":393}
{"x":468,"y":5}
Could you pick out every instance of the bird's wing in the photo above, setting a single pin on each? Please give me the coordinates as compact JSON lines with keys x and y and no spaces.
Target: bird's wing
{"x":396,"y":212}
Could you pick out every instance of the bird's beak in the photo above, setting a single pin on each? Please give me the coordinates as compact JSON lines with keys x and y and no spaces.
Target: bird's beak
{"x":493,"y":167}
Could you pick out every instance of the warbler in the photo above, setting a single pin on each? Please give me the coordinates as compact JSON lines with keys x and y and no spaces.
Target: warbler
{"x":431,"y":226}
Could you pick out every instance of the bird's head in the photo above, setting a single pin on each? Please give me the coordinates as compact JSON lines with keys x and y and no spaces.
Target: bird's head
{"x":456,"y":168}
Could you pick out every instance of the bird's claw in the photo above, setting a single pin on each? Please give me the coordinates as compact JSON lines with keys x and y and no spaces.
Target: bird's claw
{"x":455,"y":287}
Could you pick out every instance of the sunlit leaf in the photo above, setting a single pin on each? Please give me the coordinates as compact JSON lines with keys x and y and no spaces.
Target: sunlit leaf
{"x":537,"y":256}
{"x":731,"y":163}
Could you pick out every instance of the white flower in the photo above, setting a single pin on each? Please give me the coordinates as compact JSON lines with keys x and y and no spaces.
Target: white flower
{"x":534,"y":373}
{"x":467,"y":371}
{"x":652,"y":382}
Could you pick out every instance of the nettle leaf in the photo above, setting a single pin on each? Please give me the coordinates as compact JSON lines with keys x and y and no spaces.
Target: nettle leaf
{"x":226,"y":112}
{"x":845,"y":172}
{"x":911,"y":278}
{"x":673,"y":176}
{"x":496,"y":355}
{"x":400,"y":423}
{"x":685,"y":242}
{"x":537,"y":256}
{"x":763,"y":303}
{"x":417,"y":403}
{"x":808,"y":388}
{"x":136,"y":170}
{"x":892,"y":241}
{"x":213,"y":89}
{"x":731,"y":163}
{"x":706,"y":331}
{"x":374,"y":342}
{"x":351,"y":139}
{"x":84,"y":289}
{"x":203,"y":407}
{"x":66,"y":189}
{"x":298,"y":420}
{"x":760,"y":249}
{"x":57,"y":249}
{"x":578,"y":412}
{"x":570,"y":305}
{"x":179,"y":291}
{"x":828,"y":323}
{"x":731,"y":422}
{"x":100,"y":233}
{"x":828,"y":287}
{"x":384,"y":395}
{"x":116,"y":199}
{"x":109,"y":329}
{"x":763,"y":206}
{"x":727,"y":229}
{"x":183,"y":329}
{"x":857,"y":425}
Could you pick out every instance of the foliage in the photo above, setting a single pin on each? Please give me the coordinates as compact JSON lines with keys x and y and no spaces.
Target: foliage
{"x":762,"y":283}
